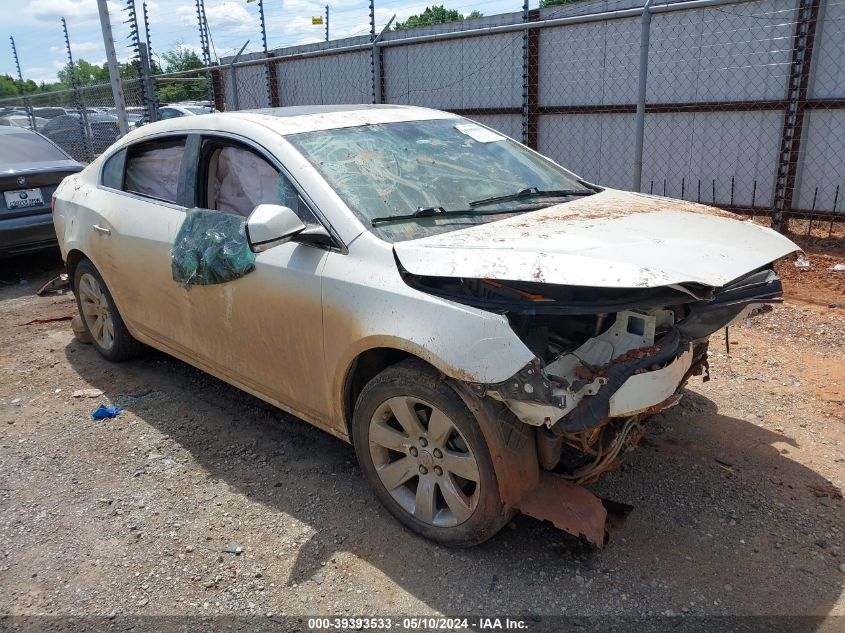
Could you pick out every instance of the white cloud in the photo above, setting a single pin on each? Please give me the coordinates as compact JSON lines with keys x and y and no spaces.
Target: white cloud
{"x":79,"y":48}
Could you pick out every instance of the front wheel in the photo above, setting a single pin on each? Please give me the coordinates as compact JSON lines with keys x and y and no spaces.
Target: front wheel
{"x":425,"y":456}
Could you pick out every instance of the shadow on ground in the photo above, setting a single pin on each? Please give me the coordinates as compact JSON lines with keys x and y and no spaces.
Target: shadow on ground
{"x":725,"y":521}
{"x":697,"y":477}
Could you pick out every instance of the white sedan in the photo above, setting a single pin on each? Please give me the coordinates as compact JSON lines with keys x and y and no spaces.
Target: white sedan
{"x":488,"y":329}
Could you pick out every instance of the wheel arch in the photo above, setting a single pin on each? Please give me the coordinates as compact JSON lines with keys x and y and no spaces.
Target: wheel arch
{"x":512,"y":444}
{"x":72,"y":260}
{"x":363,"y":368}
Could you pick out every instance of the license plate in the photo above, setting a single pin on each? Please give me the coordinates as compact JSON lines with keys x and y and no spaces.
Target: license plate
{"x":24,"y":198}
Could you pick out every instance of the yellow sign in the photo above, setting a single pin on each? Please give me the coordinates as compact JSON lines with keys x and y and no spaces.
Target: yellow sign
{"x":317,"y":20}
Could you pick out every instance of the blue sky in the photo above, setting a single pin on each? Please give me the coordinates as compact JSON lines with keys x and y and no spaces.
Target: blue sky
{"x":36,"y":26}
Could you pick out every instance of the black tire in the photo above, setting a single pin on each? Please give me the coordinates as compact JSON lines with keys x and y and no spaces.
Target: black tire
{"x":124,"y":346}
{"x":414,"y":379}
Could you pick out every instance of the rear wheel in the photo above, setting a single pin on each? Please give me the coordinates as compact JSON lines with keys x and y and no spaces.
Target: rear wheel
{"x":423,"y":453}
{"x":100,"y":316}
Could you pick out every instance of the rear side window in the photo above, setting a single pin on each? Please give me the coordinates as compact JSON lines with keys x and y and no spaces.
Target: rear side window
{"x":152,"y":168}
{"x":27,"y":148}
{"x":113,"y":170}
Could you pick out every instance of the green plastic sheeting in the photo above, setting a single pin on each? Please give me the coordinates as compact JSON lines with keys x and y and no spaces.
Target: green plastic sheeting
{"x":211,"y":248}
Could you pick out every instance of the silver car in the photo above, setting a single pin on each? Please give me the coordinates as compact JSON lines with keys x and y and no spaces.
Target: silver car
{"x":489,"y":330}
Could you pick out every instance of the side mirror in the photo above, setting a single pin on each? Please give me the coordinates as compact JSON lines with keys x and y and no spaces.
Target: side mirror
{"x":270,"y":225}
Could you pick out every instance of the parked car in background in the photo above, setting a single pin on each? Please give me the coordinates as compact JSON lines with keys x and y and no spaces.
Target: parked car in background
{"x":12,"y":111}
{"x":30,"y":169}
{"x":49,"y":112}
{"x":175,"y":111}
{"x":67,"y":132}
{"x":22,"y":120}
{"x":488,"y":329}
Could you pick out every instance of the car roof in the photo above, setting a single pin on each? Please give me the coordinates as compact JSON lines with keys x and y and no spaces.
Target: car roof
{"x":298,"y":119}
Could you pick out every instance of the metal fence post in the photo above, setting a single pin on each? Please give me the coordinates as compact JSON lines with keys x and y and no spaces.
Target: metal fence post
{"x":378,"y":53}
{"x":525,"y":74}
{"x":375,"y":66}
{"x":84,"y":128}
{"x":793,"y":120}
{"x":147,"y":87}
{"x":26,"y":102}
{"x":273,"y":80}
{"x":645,"y":32}
{"x":236,"y":102}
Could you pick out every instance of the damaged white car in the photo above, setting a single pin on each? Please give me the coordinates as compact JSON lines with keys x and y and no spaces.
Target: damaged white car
{"x":489,"y":330}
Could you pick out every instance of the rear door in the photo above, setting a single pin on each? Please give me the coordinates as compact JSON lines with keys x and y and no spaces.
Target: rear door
{"x":144,"y":208}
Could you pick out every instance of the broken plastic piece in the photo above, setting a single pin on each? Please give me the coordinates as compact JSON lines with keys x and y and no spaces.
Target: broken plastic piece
{"x":102,"y":412}
{"x":211,"y":248}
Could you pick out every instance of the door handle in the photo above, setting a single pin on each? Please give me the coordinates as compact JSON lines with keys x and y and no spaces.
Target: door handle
{"x":101,"y":229}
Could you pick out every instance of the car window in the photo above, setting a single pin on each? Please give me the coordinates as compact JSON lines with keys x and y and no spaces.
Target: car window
{"x":397,"y":168}
{"x":169,"y":113}
{"x":152,"y":168}
{"x":27,"y":148}
{"x":236,"y":179}
{"x":113,"y":170}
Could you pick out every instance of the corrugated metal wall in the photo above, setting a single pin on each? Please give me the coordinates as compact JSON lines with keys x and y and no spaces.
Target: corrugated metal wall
{"x":587,"y":77}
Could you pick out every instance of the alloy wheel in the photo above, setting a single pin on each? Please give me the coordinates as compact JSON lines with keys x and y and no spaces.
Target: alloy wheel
{"x":96,"y":311}
{"x":424,"y":462}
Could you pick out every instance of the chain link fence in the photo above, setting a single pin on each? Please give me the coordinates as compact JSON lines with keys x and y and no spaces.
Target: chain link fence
{"x":735,"y":103}
{"x":739,"y":104}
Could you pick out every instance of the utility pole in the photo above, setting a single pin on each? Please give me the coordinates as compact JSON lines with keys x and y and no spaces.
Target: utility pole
{"x":114,"y":69}
{"x":327,"y":23}
{"x":29,"y":113}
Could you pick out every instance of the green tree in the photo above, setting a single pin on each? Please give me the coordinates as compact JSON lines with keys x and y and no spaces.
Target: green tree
{"x":8,"y":86}
{"x":436,"y":14}
{"x":181,"y":59}
{"x":554,"y":3}
{"x":85,"y":72}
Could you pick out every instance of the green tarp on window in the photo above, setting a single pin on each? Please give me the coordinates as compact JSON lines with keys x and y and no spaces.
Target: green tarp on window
{"x":211,"y":248}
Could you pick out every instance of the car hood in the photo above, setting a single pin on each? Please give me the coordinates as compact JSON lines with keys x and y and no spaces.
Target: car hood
{"x":613,"y":239}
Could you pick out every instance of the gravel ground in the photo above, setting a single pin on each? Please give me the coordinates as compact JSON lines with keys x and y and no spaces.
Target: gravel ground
{"x":200,"y":499}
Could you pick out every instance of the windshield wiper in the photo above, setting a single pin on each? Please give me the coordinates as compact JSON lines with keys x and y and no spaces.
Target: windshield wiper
{"x":532,"y":192}
{"x":440,"y":212}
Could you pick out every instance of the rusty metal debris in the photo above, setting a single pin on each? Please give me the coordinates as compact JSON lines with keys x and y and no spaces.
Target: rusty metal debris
{"x":568,"y":507}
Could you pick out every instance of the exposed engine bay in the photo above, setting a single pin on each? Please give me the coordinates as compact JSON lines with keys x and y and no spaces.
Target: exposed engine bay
{"x":605,"y":358}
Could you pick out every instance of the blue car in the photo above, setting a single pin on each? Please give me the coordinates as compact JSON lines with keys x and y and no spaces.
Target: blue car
{"x":31,"y":167}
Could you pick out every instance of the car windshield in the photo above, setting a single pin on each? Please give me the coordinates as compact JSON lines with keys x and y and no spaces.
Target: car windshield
{"x":399,"y":168}
{"x":27,"y":148}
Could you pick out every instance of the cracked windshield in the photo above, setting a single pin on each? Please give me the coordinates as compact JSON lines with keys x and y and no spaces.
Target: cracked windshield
{"x":425,"y":177}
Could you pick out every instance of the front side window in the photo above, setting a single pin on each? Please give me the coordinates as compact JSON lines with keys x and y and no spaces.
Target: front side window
{"x":237,"y":180}
{"x":152,"y":168}
{"x":397,"y":169}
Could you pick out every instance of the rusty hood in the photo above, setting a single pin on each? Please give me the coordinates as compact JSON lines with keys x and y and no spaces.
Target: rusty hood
{"x":613,"y":239}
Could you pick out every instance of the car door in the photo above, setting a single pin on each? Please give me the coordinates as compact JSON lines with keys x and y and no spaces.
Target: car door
{"x":263,"y":330}
{"x":138,"y":221}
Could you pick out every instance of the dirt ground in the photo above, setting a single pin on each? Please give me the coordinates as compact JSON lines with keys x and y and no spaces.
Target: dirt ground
{"x":200,"y":499}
